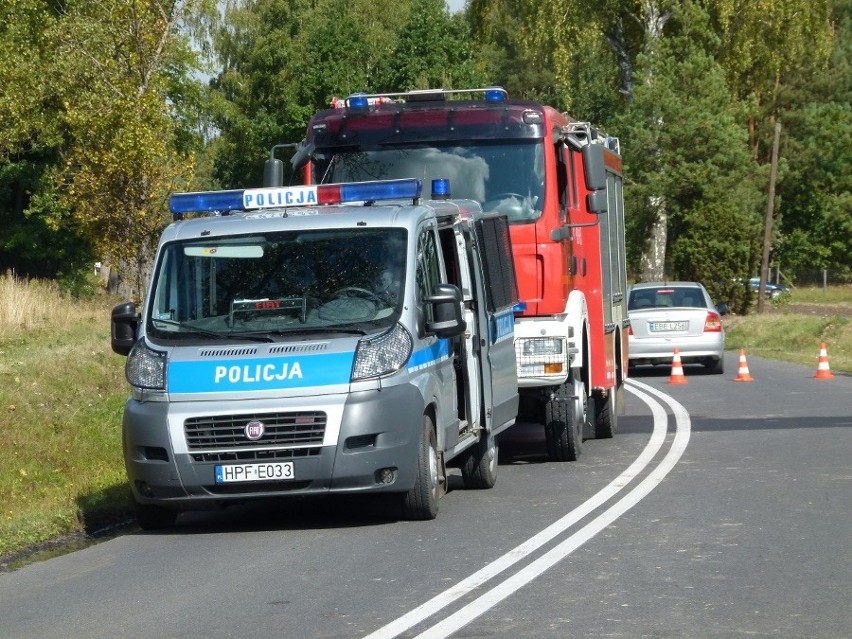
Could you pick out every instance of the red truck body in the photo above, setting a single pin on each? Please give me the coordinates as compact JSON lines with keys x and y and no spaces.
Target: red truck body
{"x":560,"y":183}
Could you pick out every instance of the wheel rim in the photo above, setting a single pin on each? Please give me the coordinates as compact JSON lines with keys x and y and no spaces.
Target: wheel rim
{"x":492,"y":455}
{"x":433,"y":470}
{"x":581,"y":403}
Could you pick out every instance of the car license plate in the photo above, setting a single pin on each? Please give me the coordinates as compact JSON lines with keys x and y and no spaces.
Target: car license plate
{"x":660,"y":327}
{"x":272,"y":471}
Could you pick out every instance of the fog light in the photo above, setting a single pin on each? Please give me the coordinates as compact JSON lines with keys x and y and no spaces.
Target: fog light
{"x":144,"y":489}
{"x":386,"y":475}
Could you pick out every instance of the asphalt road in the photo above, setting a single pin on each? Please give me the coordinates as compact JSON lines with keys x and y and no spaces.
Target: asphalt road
{"x":721,"y":509}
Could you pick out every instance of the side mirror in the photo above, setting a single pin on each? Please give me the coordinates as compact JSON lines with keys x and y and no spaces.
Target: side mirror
{"x":303,"y":153}
{"x":446,"y":301}
{"x":596,"y":202}
{"x":594,"y":167}
{"x":722,"y":309}
{"x":125,"y":321}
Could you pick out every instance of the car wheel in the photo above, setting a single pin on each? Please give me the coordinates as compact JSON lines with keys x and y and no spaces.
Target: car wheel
{"x":421,"y":502}
{"x":563,"y":427}
{"x":715,"y":366}
{"x":479,"y":469}
{"x":606,"y":418}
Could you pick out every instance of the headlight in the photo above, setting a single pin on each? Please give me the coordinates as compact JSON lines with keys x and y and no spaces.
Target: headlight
{"x":382,"y":355}
{"x":146,"y":368}
{"x":541,"y":346}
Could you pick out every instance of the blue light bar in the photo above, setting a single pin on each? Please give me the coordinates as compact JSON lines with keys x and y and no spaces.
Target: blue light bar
{"x":495,"y":94}
{"x":281,"y":197}
{"x":206,"y":201}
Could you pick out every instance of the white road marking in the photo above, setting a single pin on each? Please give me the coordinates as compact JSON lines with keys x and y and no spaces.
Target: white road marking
{"x":524,"y":576}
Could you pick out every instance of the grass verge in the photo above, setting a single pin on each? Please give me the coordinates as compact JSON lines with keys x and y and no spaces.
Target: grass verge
{"x":62,"y":392}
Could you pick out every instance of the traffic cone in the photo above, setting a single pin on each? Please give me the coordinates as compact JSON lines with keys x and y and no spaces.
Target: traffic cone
{"x":742,"y":374}
{"x":677,"y":376}
{"x":823,"y":372}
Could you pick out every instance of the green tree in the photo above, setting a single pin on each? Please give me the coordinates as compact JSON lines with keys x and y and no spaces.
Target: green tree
{"x":31,"y":138}
{"x":696,"y":157}
{"x":433,"y":51}
{"x":816,"y":196}
{"x":122,"y":62}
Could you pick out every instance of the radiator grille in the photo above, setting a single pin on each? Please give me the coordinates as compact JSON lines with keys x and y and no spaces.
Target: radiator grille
{"x":280,"y":429}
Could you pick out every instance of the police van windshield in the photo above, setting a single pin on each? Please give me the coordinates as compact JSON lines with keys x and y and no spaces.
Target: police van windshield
{"x":278,"y":284}
{"x":505,"y":177}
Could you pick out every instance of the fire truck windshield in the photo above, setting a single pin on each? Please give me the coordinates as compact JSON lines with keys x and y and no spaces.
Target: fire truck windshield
{"x":485,"y":172}
{"x":280,"y":283}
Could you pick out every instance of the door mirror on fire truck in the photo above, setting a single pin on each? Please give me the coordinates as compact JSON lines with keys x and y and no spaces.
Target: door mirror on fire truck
{"x":446,"y":301}
{"x":594,"y":167}
{"x":125,"y":321}
{"x":596,"y":202}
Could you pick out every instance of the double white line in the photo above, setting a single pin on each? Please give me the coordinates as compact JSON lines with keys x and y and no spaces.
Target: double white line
{"x":447,"y":626}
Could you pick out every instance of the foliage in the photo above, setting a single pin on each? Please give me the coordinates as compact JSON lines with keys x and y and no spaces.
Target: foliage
{"x":816,"y":196}
{"x":684,"y":142}
{"x":104,"y":123}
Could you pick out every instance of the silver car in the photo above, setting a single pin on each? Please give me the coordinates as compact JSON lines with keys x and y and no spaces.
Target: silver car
{"x":668,"y":315}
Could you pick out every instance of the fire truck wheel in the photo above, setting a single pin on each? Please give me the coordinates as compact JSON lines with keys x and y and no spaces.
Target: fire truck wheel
{"x":479,"y":469}
{"x":421,"y":502}
{"x":563,"y":427}
{"x":606,"y":415}
{"x":151,"y":517}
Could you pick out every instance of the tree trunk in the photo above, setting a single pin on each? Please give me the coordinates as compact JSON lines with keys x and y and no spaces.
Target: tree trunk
{"x":653,"y":259}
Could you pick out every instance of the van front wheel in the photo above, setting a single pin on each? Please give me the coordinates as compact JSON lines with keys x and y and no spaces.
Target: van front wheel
{"x":421,"y":502}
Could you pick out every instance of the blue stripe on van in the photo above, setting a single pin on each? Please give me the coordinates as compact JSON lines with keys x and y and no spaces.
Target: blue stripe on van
{"x":261,"y":374}
{"x":438,"y":351}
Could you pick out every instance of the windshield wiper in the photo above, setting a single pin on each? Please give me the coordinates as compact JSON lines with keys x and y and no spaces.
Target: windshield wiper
{"x":187,"y":329}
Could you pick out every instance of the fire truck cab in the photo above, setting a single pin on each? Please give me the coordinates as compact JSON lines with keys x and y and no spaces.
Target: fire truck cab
{"x":559,"y":182}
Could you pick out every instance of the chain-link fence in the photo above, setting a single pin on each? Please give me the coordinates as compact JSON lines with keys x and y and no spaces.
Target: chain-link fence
{"x":814,"y":277}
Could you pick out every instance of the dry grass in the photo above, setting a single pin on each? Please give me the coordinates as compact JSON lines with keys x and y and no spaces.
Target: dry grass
{"x":61,"y":395}
{"x":27,"y":305}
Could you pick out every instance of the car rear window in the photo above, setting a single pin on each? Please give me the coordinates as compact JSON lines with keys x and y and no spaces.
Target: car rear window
{"x":666,"y":297}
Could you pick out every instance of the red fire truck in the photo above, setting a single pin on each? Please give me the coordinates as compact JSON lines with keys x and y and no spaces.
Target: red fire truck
{"x":559,"y":181}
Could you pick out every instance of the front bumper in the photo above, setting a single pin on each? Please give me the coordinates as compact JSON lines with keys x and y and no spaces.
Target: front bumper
{"x":369,"y":431}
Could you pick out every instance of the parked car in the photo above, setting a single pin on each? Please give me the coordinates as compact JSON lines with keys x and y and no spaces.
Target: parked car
{"x":668,"y":315}
{"x":770,"y":289}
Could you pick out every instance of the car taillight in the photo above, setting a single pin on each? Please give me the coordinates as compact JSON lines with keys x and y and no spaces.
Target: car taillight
{"x":713,"y":323}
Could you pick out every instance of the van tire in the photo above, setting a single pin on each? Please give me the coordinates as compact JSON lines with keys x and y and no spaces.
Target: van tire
{"x":563,"y":426}
{"x":151,"y":517}
{"x":421,"y":502}
{"x":479,"y":470}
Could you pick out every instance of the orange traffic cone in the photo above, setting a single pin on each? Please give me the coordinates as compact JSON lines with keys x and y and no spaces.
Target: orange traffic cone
{"x":742,"y":374}
{"x":677,"y":376}
{"x":823,"y":372}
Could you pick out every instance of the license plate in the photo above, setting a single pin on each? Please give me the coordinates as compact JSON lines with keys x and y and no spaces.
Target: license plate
{"x":658,"y":327}
{"x":272,"y":471}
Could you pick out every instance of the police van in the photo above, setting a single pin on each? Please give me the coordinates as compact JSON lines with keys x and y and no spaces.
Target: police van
{"x":340,"y":338}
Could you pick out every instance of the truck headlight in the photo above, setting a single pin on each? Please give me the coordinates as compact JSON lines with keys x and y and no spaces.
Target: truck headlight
{"x":383,"y":354}
{"x":145,"y":368}
{"x":541,"y":346}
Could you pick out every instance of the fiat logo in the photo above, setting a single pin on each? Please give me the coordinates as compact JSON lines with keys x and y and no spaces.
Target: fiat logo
{"x":254,"y":430}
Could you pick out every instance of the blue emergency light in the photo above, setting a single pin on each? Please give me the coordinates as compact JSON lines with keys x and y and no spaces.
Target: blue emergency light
{"x":280,"y":197}
{"x":495,"y":94}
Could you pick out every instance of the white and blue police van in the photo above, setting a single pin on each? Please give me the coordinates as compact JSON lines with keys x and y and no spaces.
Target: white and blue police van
{"x":340,"y":338}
